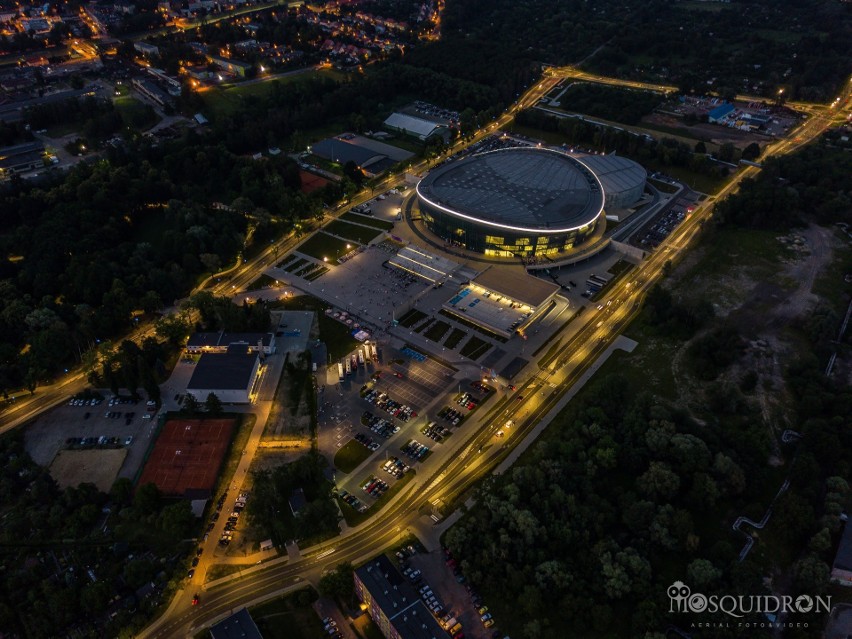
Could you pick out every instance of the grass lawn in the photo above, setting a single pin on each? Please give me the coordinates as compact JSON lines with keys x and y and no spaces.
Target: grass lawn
{"x":292,"y":266}
{"x":325,"y":247}
{"x":469,"y":324}
{"x":318,"y":273}
{"x":411,"y":318}
{"x":289,"y":617}
{"x":437,"y":331}
{"x":474,"y":348}
{"x":354,"y":518}
{"x":261,"y":282}
{"x":352,"y":232}
{"x":224,"y":101}
{"x":618,"y":270}
{"x":135,"y":114}
{"x":663,"y":187}
{"x":350,"y":456}
{"x":454,"y":338}
{"x":336,"y":336}
{"x":367,"y":220}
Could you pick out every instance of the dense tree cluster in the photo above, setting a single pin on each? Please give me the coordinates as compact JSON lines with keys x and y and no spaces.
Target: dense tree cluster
{"x":750,"y":46}
{"x":130,"y":232}
{"x":618,"y":105}
{"x":269,"y":510}
{"x":65,"y":560}
{"x":812,"y":184}
{"x":664,"y":152}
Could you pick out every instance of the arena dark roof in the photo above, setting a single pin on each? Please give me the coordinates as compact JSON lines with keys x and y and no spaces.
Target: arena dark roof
{"x":518,"y":188}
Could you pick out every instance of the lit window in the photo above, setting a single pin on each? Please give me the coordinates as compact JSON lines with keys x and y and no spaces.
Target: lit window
{"x":493,"y":239}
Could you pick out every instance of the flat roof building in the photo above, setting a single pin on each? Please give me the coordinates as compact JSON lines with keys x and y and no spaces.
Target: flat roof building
{"x":503,"y":300}
{"x":221,"y":341}
{"x":239,"y":625}
{"x":393,"y":603}
{"x":418,"y":127}
{"x":230,"y":376}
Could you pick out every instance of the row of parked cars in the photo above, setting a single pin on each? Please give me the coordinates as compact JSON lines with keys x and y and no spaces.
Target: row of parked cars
{"x":84,"y":402}
{"x":482,"y":610}
{"x":330,"y":626}
{"x":436,"y":433}
{"x":381,"y":400}
{"x":366,"y":441}
{"x":451,"y":415}
{"x":415,"y":450}
{"x":379,"y":425}
{"x":353,"y":501}
{"x":395,"y":467}
{"x":467,"y":400}
{"x":91,"y":442}
{"x":375,"y":487}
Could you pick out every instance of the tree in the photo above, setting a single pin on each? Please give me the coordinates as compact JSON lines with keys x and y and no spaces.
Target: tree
{"x":338,"y":583}
{"x":751,"y":152}
{"x":702,"y":573}
{"x":213,"y":405}
{"x":173,"y":328}
{"x":700,"y":147}
{"x":726,"y":152}
{"x":190,"y":404}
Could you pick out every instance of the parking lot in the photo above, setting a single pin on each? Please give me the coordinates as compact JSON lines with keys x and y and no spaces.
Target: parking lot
{"x":51,"y":431}
{"x":420,"y":383}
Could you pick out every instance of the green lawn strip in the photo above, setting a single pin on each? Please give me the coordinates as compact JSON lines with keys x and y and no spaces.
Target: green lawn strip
{"x":289,"y":617}
{"x":262,"y":282}
{"x":135,"y":114}
{"x":455,"y":337}
{"x":292,"y":266}
{"x":423,"y":326}
{"x":437,"y":331}
{"x":337,"y":337}
{"x":354,"y":232}
{"x":411,"y":318}
{"x":663,"y":187}
{"x":617,"y":270}
{"x":324,"y":247}
{"x":322,"y":270}
{"x":474,"y":348}
{"x":351,"y":455}
{"x":287,"y":260}
{"x":367,"y":220}
{"x":354,"y":518}
{"x":469,"y":324}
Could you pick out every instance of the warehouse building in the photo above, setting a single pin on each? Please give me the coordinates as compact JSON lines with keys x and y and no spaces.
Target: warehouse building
{"x":230,"y":376}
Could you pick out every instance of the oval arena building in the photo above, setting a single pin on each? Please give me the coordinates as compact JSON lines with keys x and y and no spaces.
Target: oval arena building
{"x":513,"y":202}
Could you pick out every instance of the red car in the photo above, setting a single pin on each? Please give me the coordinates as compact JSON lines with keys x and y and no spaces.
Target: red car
{"x":399,"y":375}
{"x":195,"y":600}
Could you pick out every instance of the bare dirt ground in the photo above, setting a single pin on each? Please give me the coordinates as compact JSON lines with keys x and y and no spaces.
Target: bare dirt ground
{"x":716,"y":134}
{"x":97,"y":466}
{"x":760,"y":301}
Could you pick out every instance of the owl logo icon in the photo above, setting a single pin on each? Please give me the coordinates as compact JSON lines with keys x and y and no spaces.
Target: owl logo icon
{"x":679,"y":597}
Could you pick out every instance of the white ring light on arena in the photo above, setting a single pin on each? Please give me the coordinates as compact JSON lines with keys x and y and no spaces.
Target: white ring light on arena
{"x":520,"y":228}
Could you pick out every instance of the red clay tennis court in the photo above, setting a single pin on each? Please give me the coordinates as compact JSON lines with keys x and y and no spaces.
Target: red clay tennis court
{"x":188,"y":454}
{"x":311,"y":182}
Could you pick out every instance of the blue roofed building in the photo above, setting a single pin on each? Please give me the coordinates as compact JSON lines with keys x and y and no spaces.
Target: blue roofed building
{"x":720,"y":112}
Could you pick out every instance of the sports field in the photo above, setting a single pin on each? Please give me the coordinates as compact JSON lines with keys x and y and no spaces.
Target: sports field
{"x":98,"y":466}
{"x":188,"y":455}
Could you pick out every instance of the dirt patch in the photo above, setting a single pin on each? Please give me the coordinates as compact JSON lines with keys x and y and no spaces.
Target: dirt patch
{"x":98,"y":466}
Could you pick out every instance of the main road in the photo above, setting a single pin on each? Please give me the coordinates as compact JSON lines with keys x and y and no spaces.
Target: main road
{"x":471,"y":459}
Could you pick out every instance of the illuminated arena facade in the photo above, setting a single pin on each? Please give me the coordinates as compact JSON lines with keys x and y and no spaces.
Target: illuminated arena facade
{"x":515,"y":202}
